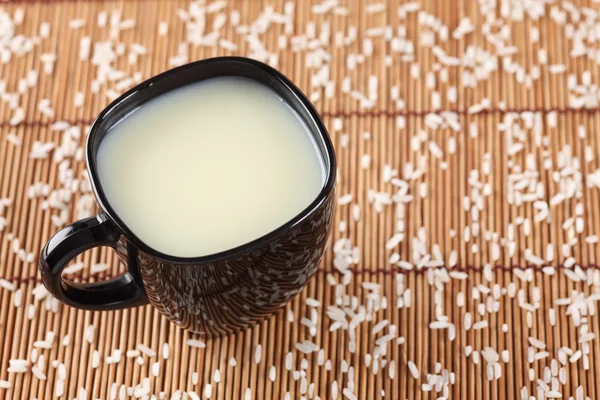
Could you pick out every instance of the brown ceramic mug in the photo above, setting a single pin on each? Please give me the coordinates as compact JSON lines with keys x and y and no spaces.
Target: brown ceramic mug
{"x":213,"y":294}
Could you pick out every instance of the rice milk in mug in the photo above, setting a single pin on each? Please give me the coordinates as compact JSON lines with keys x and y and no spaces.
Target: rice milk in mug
{"x":209,"y":166}
{"x":215,"y":183}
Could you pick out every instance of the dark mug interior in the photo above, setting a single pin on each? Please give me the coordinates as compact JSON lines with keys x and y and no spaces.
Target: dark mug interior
{"x":212,"y":294}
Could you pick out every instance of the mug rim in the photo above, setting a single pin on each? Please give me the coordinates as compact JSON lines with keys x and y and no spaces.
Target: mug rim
{"x":315,"y":125}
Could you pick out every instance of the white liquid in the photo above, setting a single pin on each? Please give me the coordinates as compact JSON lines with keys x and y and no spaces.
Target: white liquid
{"x":209,"y":167}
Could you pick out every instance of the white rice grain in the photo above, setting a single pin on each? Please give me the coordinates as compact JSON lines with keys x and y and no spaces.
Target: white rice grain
{"x":132,"y":353}
{"x":193,"y":343}
{"x":14,"y":139}
{"x":258,"y":353}
{"x":312,"y":302}
{"x":76,"y":23}
{"x":95,"y":359}
{"x":147,"y":351}
{"x":60,"y":388}
{"x":480,"y":325}
{"x":345,"y":199}
{"x":90,"y":333}
{"x":575,"y":357}
{"x":207,"y":391}
{"x":74,"y":268}
{"x":413,"y":370}
{"x":17,"y":299}
{"x":334,"y":390}
{"x":44,"y":30}
{"x":7,"y":285}
{"x":30,"y":312}
{"x":227,"y":45}
{"x":98,"y":267}
{"x":536,"y":343}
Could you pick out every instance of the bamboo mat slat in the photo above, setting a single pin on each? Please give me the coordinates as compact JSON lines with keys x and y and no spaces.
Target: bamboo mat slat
{"x":465,"y":255}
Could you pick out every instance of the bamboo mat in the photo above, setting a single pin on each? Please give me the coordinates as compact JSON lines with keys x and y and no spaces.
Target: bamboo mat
{"x":464,"y":260}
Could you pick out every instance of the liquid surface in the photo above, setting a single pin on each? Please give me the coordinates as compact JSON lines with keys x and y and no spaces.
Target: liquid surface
{"x":209,"y":167}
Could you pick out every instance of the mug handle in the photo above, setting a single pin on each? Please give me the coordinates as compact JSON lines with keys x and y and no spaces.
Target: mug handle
{"x":65,"y":245}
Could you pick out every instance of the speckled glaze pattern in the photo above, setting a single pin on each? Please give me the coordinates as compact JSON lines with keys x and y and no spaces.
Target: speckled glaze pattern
{"x":223,"y":297}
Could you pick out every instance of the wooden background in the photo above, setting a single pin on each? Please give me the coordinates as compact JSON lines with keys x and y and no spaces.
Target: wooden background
{"x":469,"y":184}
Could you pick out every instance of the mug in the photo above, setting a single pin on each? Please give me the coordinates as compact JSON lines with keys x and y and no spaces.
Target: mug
{"x":211,"y":295}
